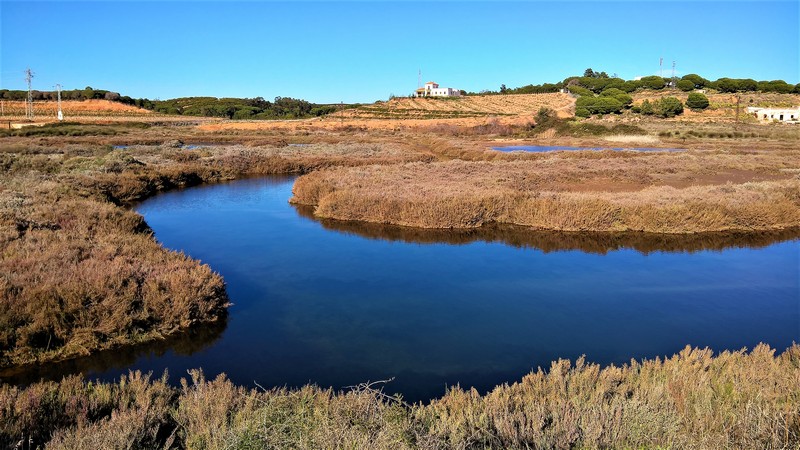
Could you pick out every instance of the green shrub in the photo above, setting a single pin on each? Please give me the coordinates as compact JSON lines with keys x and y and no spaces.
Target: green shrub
{"x":653,"y":82}
{"x":669,"y":107}
{"x":727,"y":85}
{"x":581,"y":91}
{"x":619,"y":95}
{"x":582,"y":112}
{"x":647,"y":108}
{"x":685,"y":85}
{"x":696,"y":80}
{"x":600,"y":105}
{"x":697,"y":101}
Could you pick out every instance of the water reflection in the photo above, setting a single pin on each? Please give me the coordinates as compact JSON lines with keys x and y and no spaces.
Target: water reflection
{"x":184,"y":344}
{"x":554,"y":241}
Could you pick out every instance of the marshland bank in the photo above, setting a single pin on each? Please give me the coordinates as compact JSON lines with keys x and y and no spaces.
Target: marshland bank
{"x":693,"y":400}
{"x":686,"y":192}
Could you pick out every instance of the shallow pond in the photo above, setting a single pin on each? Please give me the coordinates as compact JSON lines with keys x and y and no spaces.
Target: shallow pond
{"x":338,"y":303}
{"x":555,"y":148}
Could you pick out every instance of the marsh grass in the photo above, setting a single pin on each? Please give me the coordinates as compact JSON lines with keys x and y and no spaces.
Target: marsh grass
{"x":596,"y":191}
{"x":692,"y":400}
{"x":80,"y":273}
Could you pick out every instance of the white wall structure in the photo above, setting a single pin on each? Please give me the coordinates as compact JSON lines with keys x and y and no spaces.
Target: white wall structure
{"x":432,"y":89}
{"x":791,"y":115}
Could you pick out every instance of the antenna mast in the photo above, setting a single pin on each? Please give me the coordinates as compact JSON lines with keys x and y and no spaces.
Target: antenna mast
{"x":60,"y":114}
{"x":661,"y":67}
{"x":419,"y":79}
{"x":29,"y":101}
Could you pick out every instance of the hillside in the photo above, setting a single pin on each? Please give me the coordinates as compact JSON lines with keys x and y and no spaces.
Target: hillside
{"x":73,"y":108}
{"x":722,"y":105}
{"x":462,"y":107}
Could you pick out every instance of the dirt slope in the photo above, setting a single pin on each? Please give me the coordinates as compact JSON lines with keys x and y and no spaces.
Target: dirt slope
{"x":463,"y":107}
{"x":74,"y":108}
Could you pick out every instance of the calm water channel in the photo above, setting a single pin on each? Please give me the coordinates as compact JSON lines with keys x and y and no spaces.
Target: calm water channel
{"x":338,"y":304}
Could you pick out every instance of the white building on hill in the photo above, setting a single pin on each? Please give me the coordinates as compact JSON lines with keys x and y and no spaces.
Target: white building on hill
{"x":432,"y":89}
{"x":776,"y":114}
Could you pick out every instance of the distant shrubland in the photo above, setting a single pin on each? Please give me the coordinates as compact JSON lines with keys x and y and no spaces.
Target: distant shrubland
{"x":231,"y":108}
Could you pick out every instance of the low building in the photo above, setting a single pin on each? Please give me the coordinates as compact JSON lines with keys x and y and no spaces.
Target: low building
{"x":432,"y":89}
{"x":776,"y":114}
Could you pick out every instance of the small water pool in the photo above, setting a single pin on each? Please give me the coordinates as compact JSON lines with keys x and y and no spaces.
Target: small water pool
{"x":558,"y":148}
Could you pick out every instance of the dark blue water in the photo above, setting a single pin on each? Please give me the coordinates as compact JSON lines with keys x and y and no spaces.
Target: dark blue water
{"x":554,"y":148}
{"x":338,"y":304}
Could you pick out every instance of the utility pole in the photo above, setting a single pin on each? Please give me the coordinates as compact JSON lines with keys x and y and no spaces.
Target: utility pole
{"x":661,"y":67}
{"x":738,"y":99}
{"x":29,"y":101}
{"x":60,"y":114}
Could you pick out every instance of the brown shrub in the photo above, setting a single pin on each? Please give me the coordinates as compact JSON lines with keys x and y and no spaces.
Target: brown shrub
{"x":693,"y":400}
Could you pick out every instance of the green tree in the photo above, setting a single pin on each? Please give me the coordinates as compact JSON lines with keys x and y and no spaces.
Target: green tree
{"x":669,"y":107}
{"x":779,"y":86}
{"x":727,"y":85}
{"x":653,"y":82}
{"x":599,"y":105}
{"x":697,"y":80}
{"x":748,"y":85}
{"x":697,"y":101}
{"x":581,"y":91}
{"x":685,"y":85}
{"x":631,"y":85}
{"x":619,"y":95}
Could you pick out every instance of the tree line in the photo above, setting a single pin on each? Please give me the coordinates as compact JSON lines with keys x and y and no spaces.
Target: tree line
{"x":598,"y":82}
{"x":232,"y":108}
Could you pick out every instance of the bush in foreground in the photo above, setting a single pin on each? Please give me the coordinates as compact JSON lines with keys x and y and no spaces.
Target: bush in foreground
{"x":693,"y":400}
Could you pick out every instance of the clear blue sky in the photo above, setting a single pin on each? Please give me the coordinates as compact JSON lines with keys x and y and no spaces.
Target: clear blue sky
{"x":365,"y":51}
